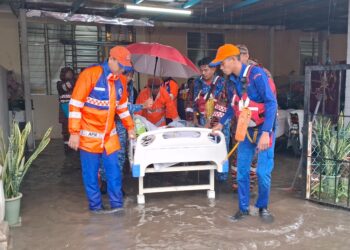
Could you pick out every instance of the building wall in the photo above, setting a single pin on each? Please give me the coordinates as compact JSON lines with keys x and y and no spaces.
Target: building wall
{"x":9,"y":49}
{"x":337,"y":48}
{"x":45,"y":107}
{"x":45,"y":115}
{"x":286,"y":56}
{"x":258,"y":48}
{"x":287,"y":52}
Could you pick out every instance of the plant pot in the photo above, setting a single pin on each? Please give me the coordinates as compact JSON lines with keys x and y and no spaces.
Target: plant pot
{"x":2,"y":201}
{"x":12,"y":210}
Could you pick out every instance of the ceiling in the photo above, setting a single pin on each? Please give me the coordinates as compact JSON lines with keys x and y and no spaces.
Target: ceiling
{"x":309,"y":15}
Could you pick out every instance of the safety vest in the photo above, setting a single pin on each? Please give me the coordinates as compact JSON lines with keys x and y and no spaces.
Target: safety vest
{"x":97,"y":97}
{"x":214,"y":107}
{"x":257,"y":109}
{"x":202,"y":99}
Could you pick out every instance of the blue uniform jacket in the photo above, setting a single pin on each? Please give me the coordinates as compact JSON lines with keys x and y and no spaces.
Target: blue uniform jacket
{"x":258,"y":90}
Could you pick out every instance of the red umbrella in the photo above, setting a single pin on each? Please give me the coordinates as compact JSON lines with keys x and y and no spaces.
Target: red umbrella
{"x":161,"y":60}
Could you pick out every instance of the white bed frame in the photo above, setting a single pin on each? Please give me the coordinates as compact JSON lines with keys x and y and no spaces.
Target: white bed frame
{"x":155,"y":147}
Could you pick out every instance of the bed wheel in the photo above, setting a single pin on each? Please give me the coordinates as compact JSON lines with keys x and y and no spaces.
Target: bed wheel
{"x":211,"y":194}
{"x":140,"y":199}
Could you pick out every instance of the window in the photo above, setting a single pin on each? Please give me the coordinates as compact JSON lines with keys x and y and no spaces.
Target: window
{"x":308,"y":53}
{"x":53,"y":46}
{"x":200,"y":45}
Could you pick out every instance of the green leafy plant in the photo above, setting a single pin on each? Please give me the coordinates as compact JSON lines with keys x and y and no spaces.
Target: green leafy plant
{"x":3,"y":150}
{"x":332,"y":142}
{"x":13,"y":159}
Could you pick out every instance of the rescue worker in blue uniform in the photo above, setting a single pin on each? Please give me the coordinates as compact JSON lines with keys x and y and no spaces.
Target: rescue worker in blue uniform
{"x":132,"y":109}
{"x":210,"y":101}
{"x":254,"y":87}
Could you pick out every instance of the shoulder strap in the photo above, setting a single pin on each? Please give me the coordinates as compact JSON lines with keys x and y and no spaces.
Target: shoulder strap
{"x":212,"y":86}
{"x":245,"y":78}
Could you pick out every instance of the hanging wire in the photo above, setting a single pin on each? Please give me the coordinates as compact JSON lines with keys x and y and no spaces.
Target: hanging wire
{"x":223,"y":11}
{"x":328,"y":59}
{"x":329,"y":15}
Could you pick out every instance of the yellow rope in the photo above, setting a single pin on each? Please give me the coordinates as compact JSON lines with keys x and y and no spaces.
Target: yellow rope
{"x":232,"y":150}
{"x":249,"y":138}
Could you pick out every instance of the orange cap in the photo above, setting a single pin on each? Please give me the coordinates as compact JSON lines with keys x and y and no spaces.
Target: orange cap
{"x":223,"y":52}
{"x":122,"y":55}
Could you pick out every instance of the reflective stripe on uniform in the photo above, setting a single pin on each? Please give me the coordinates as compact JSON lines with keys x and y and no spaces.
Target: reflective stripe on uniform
{"x":75,"y":115}
{"x":123,"y":106}
{"x":76,"y":103}
{"x":99,"y":89}
{"x":124,"y":114}
{"x":246,"y":70}
{"x":113,"y":132}
{"x":243,"y":103}
{"x":91,"y":134}
{"x":218,"y":114}
{"x":159,"y":110}
{"x":254,"y":108}
{"x":97,"y":102}
{"x":66,"y":96}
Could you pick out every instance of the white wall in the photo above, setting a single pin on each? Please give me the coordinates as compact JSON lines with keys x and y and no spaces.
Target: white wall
{"x":46,"y":115}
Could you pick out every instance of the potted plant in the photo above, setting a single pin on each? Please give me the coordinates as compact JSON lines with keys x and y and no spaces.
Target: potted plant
{"x":15,"y":167}
{"x":332,"y":141}
{"x":2,"y":159}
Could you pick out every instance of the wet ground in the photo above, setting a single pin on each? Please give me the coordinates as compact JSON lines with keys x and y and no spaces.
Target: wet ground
{"x":55,"y":215}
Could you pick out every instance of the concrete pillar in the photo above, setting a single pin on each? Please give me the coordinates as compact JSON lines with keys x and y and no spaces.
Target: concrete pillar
{"x":25,"y":75}
{"x":347,"y":88}
{"x":272,"y":50}
{"x":323,"y":52}
{"x":4,"y":111}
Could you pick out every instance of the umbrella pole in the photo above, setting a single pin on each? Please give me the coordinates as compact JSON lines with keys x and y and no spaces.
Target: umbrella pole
{"x":154,"y":74}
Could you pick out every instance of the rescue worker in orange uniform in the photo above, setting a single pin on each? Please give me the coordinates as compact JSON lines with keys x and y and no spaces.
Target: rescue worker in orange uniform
{"x":173,"y":89}
{"x":101,"y":93}
{"x":163,"y":106}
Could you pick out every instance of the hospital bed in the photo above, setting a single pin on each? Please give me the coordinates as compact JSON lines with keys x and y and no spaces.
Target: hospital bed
{"x":159,"y":150}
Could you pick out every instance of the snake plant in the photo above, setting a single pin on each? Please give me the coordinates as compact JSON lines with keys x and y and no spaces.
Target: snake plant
{"x":13,"y":159}
{"x":333,"y":142}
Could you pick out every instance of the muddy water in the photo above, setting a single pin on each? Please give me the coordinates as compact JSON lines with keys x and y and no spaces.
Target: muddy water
{"x":55,"y":215}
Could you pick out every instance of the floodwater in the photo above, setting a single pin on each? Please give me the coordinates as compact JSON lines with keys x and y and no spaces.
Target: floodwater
{"x":55,"y":215}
